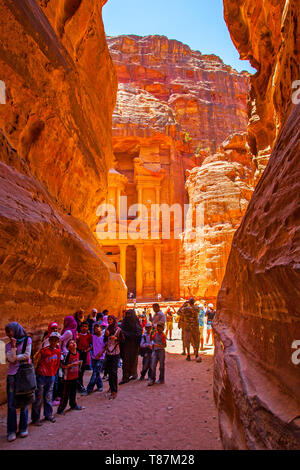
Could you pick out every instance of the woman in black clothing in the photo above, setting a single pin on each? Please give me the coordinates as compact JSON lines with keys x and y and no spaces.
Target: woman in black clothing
{"x":132,"y":330}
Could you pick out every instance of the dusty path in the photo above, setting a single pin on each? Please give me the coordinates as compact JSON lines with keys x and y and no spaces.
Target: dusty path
{"x":179,"y":415}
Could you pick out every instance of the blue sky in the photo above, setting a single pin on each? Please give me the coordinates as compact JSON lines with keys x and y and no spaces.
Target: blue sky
{"x":197,"y":23}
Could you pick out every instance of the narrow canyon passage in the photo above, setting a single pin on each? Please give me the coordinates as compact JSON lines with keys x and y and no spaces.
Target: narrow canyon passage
{"x":179,"y":415}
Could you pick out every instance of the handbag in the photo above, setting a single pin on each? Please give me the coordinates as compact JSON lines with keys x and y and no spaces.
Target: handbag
{"x":25,"y":382}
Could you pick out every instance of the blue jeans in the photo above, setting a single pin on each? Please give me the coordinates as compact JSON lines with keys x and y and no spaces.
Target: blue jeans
{"x":158,"y":356}
{"x":43,"y":393}
{"x":11,"y":410}
{"x":96,"y":375}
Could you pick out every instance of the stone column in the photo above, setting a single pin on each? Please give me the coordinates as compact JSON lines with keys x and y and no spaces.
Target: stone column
{"x":140,"y":199}
{"x":158,"y":269}
{"x":118,"y":200}
{"x":123,"y":249}
{"x":139,"y":271}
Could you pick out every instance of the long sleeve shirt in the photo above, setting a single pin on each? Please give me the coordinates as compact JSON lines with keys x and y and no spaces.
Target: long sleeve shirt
{"x":146,"y":341}
{"x":14,"y":356}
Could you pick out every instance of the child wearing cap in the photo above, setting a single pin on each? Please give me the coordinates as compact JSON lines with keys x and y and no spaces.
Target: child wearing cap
{"x":48,"y":361}
{"x":159,"y":342}
{"x":146,"y":352}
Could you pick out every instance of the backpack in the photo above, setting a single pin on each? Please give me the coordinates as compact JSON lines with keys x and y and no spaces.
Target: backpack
{"x":25,"y":382}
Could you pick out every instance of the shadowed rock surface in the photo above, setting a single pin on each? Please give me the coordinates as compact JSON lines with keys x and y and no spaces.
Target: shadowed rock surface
{"x":257,"y":384}
{"x":55,"y":152}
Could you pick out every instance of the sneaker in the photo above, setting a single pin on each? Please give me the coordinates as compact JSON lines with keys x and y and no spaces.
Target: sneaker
{"x":11,"y":437}
{"x":61,"y":413}
{"x":84,"y":393}
{"x":100,"y":389}
{"x":51,"y":419}
{"x":160,"y":382}
{"x":151,"y":383}
{"x":188,"y":358}
{"x":23,"y":434}
{"x":133,"y":377}
{"x":77,"y":408}
{"x":37,"y":423}
{"x":198,"y":359}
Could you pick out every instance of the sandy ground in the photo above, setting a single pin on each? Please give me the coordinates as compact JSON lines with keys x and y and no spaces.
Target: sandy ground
{"x":179,"y":415}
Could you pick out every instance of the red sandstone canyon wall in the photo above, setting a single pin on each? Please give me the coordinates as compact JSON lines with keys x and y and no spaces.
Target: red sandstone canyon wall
{"x":55,"y":155}
{"x":207,"y":98}
{"x":256,"y":378}
{"x":267,"y":33}
{"x":174,"y":103}
{"x":222,"y":186}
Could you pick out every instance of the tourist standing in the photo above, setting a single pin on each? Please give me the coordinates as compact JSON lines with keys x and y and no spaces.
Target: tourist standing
{"x":68,"y":332}
{"x":159,"y":316}
{"x":210,"y":315}
{"x":113,"y":337}
{"x":159,"y":342}
{"x":201,"y":325}
{"x":46,"y":369}
{"x":146,"y":352}
{"x":169,"y":317}
{"x":84,"y":345}
{"x":79,"y":318}
{"x":189,"y":313}
{"x":98,"y":355}
{"x":17,"y":350}
{"x":71,"y":366}
{"x":132,"y":331}
{"x":92,"y":318}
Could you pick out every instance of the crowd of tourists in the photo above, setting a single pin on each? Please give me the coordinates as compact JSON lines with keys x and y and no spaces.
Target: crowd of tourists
{"x":102,"y":343}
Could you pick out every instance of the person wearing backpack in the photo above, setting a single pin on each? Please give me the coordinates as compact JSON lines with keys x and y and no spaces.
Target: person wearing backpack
{"x":47,"y":367}
{"x":17,"y":350}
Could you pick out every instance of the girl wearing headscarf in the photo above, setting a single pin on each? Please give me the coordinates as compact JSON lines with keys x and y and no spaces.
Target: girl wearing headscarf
{"x":113,"y":336}
{"x":132,"y":330}
{"x":69,"y":331}
{"x":14,"y":355}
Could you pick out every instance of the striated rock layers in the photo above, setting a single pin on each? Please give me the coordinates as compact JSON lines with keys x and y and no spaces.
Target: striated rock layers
{"x":55,"y":152}
{"x":175,"y":106}
{"x":219,"y":193}
{"x":206,"y":97}
{"x":256,"y":378}
{"x":267,"y":33}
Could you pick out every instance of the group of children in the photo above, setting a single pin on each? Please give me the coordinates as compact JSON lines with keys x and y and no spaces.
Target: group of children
{"x":63,"y":358}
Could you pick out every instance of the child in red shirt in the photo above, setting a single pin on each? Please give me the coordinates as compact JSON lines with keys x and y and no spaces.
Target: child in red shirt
{"x":71,"y":367}
{"x":47,"y":366}
{"x":84,"y":345}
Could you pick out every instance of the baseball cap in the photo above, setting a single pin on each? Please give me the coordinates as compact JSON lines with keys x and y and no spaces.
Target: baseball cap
{"x":54,"y":335}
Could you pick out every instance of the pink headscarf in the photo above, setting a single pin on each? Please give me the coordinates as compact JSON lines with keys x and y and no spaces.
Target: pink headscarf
{"x":70,"y":324}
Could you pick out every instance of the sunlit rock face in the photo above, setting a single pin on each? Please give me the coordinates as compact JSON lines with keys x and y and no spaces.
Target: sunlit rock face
{"x":173,"y":103}
{"x":55,"y":152}
{"x":221,"y":188}
{"x":256,"y":377}
{"x":207,"y":98}
{"x":267,"y":33}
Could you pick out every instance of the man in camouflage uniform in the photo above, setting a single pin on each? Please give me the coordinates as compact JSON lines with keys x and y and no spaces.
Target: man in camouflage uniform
{"x":189,"y":313}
